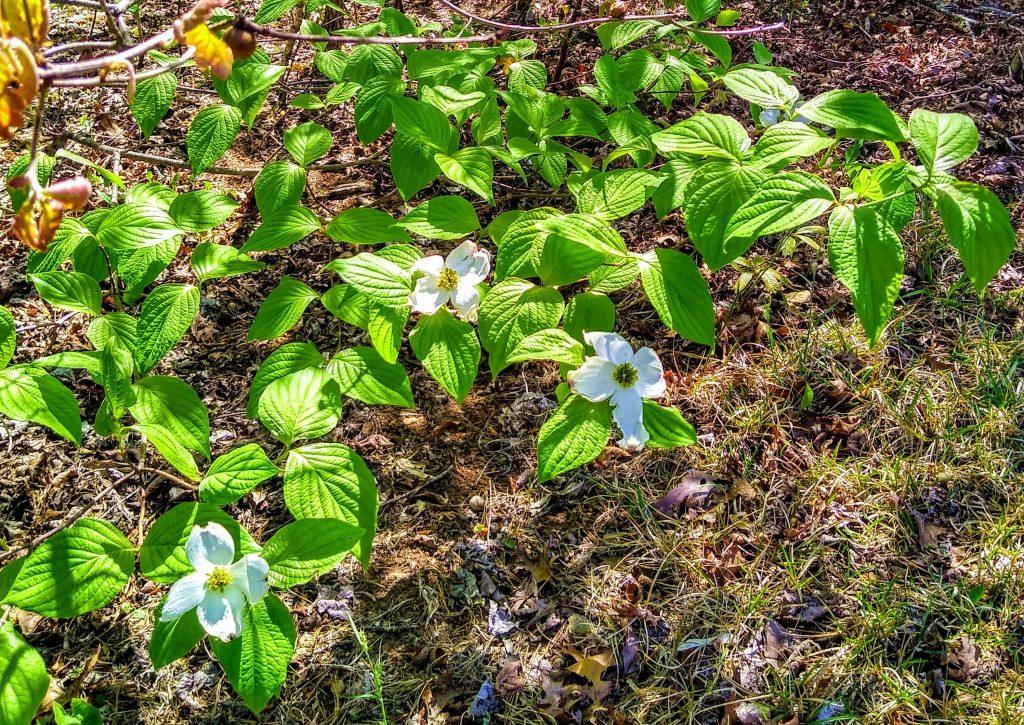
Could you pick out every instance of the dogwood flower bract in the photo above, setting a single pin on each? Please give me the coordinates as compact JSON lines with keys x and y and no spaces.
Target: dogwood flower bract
{"x":219,"y":586}
{"x":451,"y":280}
{"x":623,"y":378}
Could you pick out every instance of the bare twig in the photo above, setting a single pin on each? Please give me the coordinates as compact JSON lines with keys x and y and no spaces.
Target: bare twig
{"x":66,"y":70}
{"x":94,"y":81}
{"x":591,"y":22}
{"x":79,"y":45}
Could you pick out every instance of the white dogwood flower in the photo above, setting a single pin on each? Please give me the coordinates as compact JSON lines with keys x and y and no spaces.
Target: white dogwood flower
{"x":623,"y":378}
{"x":219,"y":586}
{"x":451,"y":280}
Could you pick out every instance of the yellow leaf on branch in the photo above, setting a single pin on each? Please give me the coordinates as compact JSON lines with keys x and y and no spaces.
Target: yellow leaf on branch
{"x":25,"y":19}
{"x":211,"y":51}
{"x":18,"y":84}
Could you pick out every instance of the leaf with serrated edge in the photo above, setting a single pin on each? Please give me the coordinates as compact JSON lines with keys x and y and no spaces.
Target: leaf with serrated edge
{"x":575,"y":434}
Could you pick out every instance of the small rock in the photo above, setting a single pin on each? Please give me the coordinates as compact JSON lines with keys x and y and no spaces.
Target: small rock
{"x":477,"y":503}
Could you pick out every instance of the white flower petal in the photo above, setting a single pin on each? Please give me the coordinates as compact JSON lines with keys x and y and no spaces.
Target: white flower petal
{"x":651,"y":381}
{"x":221,"y":614}
{"x":479,"y":267}
{"x":628,"y":411}
{"x":610,"y":346}
{"x":460,"y":259}
{"x":466,"y":299}
{"x":250,"y":575}
{"x":431,"y":265}
{"x":209,"y":546}
{"x":593,"y":379}
{"x":184,"y":594}
{"x":427,"y":298}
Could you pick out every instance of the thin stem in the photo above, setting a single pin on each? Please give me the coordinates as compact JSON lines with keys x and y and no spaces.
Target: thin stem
{"x":126,"y":80}
{"x":590,"y":22}
{"x":79,"y":45}
{"x":64,"y":70}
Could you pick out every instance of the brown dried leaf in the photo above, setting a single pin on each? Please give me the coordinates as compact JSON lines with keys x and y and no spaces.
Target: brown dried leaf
{"x":695,"y":490}
{"x":927,"y":533}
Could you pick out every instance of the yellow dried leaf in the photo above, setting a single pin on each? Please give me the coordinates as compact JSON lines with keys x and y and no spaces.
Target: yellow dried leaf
{"x":32,"y":26}
{"x":18,"y":84}
{"x":211,"y":51}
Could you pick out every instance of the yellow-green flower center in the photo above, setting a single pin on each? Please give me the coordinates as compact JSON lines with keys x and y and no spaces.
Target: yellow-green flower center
{"x":447,"y":280}
{"x":218,"y":579}
{"x":625,"y":374}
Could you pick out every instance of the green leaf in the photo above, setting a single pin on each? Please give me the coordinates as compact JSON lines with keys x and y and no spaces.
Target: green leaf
{"x":679,"y":293}
{"x":522,"y":244}
{"x":368,"y":61}
{"x":449,"y":350}
{"x":81,"y":713}
{"x":173,"y":404}
{"x":701,"y":10}
{"x":471,"y":167}
{"x":412,"y":165}
{"x":8,"y":337}
{"x":278,"y":186}
{"x":307,"y":142}
{"x":116,"y":327}
{"x":283,"y":227}
{"x":307,"y":548}
{"x":256,"y":661}
{"x":553,"y":344}
{"x":70,"y":235}
{"x":135,"y":226}
{"x":575,"y":434}
{"x":589,"y":312}
{"x":671,"y":192}
{"x":211,"y":133}
{"x":386,"y":325}
{"x":215,"y":261}
{"x":281,"y":310}
{"x":667,"y":427}
{"x":577,"y":244}
{"x":867,"y":257}
{"x":704,"y":134}
{"x":787,"y":142}
{"x":201,"y":210}
{"x":162,"y":557}
{"x":236,"y":473}
{"x":271,"y":10}
{"x":69,"y":291}
{"x":524,"y":73}
{"x":303,"y":405}
{"x":783,"y":202}
{"x":364,"y":225}
{"x":979,"y":227}
{"x":615,"y":194}
{"x":854,"y":115}
{"x":942,"y":140}
{"x":33,"y":395}
{"x":152,"y":101}
{"x":364,"y":375}
{"x":25,"y":680}
{"x":378,"y":278}
{"x":373,"y":115}
{"x":425,"y":124}
{"x":764,"y":88}
{"x":173,"y":640}
{"x":284,"y":361}
{"x":713,"y":195}
{"x":513,"y":309}
{"x":167,"y":314}
{"x":328,"y":480}
{"x":170,"y":448}
{"x":442,"y":217}
{"x":77,"y":570}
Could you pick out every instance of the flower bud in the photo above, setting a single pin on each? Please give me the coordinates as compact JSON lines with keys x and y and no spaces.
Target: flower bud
{"x":241,"y":42}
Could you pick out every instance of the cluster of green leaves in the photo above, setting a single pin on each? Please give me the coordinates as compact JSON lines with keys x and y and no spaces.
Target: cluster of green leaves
{"x":448,"y":115}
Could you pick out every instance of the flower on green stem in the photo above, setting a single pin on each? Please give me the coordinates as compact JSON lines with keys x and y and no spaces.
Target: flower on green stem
{"x":219,"y":586}
{"x":623,"y":378}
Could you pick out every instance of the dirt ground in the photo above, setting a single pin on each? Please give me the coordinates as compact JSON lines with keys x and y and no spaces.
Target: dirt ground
{"x":849,"y":540}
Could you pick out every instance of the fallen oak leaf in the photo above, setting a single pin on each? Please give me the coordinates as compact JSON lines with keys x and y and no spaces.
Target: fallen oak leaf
{"x":591,"y":668}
